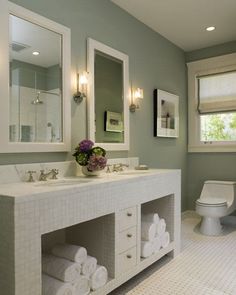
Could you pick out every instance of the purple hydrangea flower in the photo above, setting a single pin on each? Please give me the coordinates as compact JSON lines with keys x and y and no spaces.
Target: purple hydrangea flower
{"x":85,"y":145}
{"x":96,"y":162}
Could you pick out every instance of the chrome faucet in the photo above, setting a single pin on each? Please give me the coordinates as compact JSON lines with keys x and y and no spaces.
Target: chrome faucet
{"x":44,"y":176}
{"x":31,"y":178}
{"x":119,"y":167}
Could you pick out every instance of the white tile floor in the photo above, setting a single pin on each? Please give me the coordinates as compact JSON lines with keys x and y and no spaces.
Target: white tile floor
{"x":206,"y":266}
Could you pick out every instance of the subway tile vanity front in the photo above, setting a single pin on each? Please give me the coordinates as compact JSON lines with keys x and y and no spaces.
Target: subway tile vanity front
{"x":80,"y":208}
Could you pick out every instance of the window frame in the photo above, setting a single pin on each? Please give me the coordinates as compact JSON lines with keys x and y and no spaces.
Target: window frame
{"x":202,"y":67}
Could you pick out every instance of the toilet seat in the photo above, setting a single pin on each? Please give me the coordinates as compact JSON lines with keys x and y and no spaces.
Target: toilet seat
{"x":212,"y":202}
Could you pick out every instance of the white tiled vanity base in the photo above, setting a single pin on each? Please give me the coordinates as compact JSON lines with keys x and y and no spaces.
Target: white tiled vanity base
{"x":206,"y":266}
{"x":29,"y":217}
{"x":129,"y":267}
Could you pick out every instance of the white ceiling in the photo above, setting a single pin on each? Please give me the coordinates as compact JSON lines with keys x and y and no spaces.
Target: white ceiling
{"x":37,"y":38}
{"x":183,"y":22}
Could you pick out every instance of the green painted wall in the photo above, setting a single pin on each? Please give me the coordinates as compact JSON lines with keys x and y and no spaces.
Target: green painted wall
{"x":209,"y":166}
{"x":108,"y":94}
{"x":154,"y":63}
{"x":33,"y":76}
{"x":221,"y":49}
{"x":30,"y":75}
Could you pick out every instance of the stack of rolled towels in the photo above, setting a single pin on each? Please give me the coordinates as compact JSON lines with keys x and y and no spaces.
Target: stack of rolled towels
{"x":68,"y":270}
{"x":153,"y":234}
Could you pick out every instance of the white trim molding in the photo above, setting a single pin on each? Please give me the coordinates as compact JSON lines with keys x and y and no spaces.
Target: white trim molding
{"x":6,"y":146}
{"x":93,"y":45}
{"x":207,"y":66}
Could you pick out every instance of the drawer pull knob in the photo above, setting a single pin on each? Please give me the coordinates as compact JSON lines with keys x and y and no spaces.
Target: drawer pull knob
{"x":129,"y":235}
{"x":129,"y":256}
{"x":129,"y":214}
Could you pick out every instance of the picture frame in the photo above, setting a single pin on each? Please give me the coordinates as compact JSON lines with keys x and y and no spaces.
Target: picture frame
{"x":113,"y":122}
{"x":166,"y":114}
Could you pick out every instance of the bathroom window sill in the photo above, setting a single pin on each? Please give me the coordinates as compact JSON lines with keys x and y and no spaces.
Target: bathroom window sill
{"x":213,"y":148}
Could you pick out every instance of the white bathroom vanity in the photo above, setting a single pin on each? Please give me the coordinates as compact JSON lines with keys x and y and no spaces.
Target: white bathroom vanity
{"x":101,"y":213}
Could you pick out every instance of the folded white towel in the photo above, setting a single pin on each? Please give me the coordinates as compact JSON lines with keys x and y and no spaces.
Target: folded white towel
{"x":98,"y":278}
{"x":150,"y":217}
{"x":156,"y":244}
{"x":161,"y":227}
{"x":70,"y":252}
{"x":148,"y":231}
{"x":51,"y":286}
{"x":89,"y":266}
{"x":165,"y":239}
{"x":81,"y":286}
{"x":60,"y":268}
{"x":146,"y":249}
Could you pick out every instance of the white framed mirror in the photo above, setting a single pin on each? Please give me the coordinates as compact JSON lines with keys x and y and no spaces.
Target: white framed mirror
{"x":108,"y":96}
{"x":35,"y":83}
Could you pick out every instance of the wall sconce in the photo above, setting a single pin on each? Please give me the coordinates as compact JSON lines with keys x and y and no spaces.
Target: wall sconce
{"x":81,"y":83}
{"x":136,"y":94}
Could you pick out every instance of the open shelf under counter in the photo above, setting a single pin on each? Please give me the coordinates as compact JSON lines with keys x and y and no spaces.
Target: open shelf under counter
{"x":142,"y":265}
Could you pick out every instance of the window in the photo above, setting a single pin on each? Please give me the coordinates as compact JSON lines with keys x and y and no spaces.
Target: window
{"x":218,"y":127}
{"x":212,"y":104}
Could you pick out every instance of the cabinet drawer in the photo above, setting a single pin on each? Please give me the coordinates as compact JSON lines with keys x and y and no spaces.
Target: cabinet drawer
{"x":127,"y":239}
{"x":127,"y":260}
{"x":127,"y":218}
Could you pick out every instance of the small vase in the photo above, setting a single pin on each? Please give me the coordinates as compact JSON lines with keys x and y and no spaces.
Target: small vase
{"x":86,"y":172}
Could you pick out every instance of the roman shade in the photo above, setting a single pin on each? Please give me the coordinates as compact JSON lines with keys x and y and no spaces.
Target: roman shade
{"x":217,"y":93}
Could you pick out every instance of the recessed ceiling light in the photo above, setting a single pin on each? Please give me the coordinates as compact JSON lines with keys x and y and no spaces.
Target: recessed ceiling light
{"x":209,"y":29}
{"x":35,"y":53}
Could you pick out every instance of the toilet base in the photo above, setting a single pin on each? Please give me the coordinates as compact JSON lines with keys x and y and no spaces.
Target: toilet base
{"x":210,"y":226}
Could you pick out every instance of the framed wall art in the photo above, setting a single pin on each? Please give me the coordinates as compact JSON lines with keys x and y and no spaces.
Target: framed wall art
{"x":113,"y":122}
{"x":166,"y":114}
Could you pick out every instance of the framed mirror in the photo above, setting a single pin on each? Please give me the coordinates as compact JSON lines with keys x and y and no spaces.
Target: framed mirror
{"x":108,"y":96}
{"x":35,"y":110}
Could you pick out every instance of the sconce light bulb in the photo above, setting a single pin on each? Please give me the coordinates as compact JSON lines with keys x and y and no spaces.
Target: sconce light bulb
{"x":138,"y":93}
{"x":83,"y":80}
{"x":81,"y":93}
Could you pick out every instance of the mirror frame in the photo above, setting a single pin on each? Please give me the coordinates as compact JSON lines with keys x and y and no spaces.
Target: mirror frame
{"x":6,"y":146}
{"x":92,"y":46}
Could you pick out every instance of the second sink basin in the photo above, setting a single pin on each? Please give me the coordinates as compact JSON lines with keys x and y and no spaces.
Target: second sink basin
{"x":64,"y":182}
{"x":133,"y":172}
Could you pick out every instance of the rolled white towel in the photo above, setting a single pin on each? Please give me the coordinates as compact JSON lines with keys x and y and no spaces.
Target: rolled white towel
{"x":148,"y":231}
{"x":165,"y":239}
{"x":51,"y":286}
{"x":71,"y":252}
{"x":156,"y":244}
{"x":146,"y":249}
{"x":89,"y":266}
{"x":81,"y":285}
{"x":98,"y":278}
{"x":161,"y":227}
{"x":150,"y":217}
{"x":60,"y":268}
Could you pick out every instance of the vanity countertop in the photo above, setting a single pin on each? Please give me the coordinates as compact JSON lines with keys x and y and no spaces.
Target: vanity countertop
{"x":21,"y":191}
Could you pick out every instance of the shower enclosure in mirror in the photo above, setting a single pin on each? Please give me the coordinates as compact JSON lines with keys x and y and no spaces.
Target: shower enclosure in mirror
{"x":108,"y":96}
{"x":38,"y":100}
{"x":35,"y":83}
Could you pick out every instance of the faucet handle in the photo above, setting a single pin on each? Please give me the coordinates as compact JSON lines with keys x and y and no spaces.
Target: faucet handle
{"x":121,"y":165}
{"x":42,"y":176}
{"x":108,"y":168}
{"x":31,"y":178}
{"x":54,"y":172}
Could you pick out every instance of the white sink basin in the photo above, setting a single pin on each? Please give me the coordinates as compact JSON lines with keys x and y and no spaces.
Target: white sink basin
{"x":64,"y":182}
{"x":133,"y":172}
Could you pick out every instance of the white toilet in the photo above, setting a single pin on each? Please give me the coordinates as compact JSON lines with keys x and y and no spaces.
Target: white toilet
{"x":218,"y":199}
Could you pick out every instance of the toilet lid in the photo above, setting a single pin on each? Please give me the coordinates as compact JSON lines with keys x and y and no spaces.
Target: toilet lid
{"x":212,"y":201}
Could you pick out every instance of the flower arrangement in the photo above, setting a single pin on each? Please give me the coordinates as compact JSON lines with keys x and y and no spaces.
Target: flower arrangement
{"x":87,"y":155}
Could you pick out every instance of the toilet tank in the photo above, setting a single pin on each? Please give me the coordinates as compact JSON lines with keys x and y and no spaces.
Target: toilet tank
{"x":220,"y":189}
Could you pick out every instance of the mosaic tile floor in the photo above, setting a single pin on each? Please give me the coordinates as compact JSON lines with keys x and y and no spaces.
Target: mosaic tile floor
{"x":206,"y":266}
